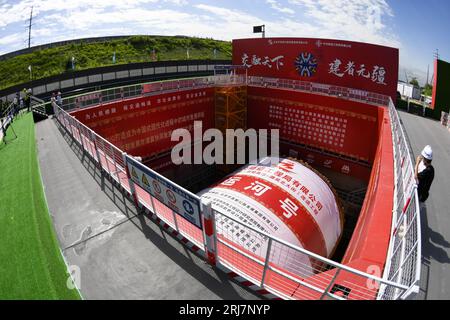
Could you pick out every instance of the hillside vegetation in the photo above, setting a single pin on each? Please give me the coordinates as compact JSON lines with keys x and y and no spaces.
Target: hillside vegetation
{"x":53,"y":61}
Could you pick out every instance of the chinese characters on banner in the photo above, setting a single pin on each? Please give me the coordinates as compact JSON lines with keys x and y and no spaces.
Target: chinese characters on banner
{"x":378,"y":74}
{"x":265,"y":61}
{"x":323,"y":122}
{"x":242,"y":209}
{"x":286,"y":180}
{"x":353,"y":65}
{"x":288,"y":201}
{"x":143,"y":126}
{"x":309,"y":127}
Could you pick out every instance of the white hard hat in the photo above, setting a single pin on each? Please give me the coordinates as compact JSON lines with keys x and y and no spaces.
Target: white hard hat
{"x":427,"y":153}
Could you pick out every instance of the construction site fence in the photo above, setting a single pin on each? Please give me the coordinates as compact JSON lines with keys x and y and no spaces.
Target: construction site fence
{"x":6,"y":117}
{"x":224,"y":238}
{"x":403,"y":264}
{"x":147,"y":89}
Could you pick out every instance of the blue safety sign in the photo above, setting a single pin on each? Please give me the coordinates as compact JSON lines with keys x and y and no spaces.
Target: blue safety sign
{"x":183,"y":202}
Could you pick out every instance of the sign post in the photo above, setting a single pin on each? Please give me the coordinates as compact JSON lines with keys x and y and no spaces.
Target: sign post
{"x":260,"y":29}
{"x":130,"y":181}
{"x":210,"y":234}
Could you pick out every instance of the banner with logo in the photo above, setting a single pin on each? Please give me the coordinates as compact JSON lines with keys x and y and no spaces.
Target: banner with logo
{"x":354,"y":65}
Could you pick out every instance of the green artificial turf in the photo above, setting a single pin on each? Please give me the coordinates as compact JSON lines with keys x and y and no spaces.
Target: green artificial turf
{"x":31,"y":265}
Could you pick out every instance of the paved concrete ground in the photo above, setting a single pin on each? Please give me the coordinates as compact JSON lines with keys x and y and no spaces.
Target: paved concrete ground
{"x":120,"y":255}
{"x":435,"y":279}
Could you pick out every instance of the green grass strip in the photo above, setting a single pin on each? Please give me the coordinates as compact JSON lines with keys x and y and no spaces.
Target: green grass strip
{"x":31,"y":265}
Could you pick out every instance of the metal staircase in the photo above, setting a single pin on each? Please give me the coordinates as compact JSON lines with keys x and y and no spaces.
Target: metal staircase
{"x":38,"y":109}
{"x":355,"y":197}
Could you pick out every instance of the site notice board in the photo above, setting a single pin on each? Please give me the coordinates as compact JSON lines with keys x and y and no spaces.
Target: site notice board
{"x":181,"y":201}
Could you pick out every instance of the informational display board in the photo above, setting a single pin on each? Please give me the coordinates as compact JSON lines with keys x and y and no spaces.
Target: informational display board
{"x":354,"y":65}
{"x":143,"y":126}
{"x":173,"y":196}
{"x":327,"y":123}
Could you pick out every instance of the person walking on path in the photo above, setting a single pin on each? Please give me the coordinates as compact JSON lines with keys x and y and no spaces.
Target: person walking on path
{"x":59,"y":99}
{"x":16,"y":104}
{"x":27,"y":95}
{"x":424,"y":173}
{"x":20,"y":102}
{"x":53,"y":98}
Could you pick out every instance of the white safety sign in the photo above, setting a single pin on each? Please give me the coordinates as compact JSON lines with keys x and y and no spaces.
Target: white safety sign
{"x":173,"y":196}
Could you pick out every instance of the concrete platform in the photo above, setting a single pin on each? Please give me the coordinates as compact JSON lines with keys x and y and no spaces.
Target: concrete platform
{"x":121,"y":255}
{"x":435,"y":214}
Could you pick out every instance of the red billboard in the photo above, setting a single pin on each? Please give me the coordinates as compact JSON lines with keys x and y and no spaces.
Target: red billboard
{"x":354,"y":65}
{"x":441,"y":83}
{"x":327,"y":123}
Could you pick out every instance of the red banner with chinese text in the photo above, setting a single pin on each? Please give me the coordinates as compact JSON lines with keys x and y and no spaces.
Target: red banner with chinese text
{"x":354,"y":65}
{"x":329,"y":123}
{"x":143,"y":126}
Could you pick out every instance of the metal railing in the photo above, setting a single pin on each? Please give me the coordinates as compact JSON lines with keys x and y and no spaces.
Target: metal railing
{"x":404,"y":257}
{"x":6,"y":118}
{"x":319,"y":88}
{"x":283,"y":269}
{"x":112,"y":161}
{"x":146,"y":89}
{"x":126,"y":92}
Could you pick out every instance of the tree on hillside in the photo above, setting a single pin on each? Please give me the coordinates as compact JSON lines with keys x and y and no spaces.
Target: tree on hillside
{"x":428,"y":90}
{"x":414,"y":82}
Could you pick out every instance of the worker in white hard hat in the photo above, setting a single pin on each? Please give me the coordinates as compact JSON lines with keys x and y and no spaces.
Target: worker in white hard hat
{"x":424,"y":173}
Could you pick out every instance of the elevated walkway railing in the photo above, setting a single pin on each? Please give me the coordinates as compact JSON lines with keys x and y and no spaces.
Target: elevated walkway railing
{"x":319,"y":88}
{"x":145,"y":89}
{"x":6,"y":118}
{"x":264,"y":265}
{"x":404,"y":257}
{"x":38,"y":106}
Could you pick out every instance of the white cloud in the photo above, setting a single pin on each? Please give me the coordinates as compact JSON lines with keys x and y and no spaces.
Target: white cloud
{"x":276,"y":6}
{"x":56,"y":20}
{"x":11,"y":39}
{"x":358,"y":20}
{"x":20,"y":11}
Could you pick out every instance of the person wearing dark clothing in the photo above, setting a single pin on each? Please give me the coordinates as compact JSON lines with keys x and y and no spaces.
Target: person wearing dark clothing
{"x":59,"y":99}
{"x":27,"y":99}
{"x":16,"y":104}
{"x":424,"y":173}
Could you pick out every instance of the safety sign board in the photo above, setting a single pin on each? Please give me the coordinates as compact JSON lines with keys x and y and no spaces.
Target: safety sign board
{"x":173,"y":196}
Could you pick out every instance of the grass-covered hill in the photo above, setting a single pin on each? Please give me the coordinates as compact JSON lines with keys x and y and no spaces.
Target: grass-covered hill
{"x":56,"y":60}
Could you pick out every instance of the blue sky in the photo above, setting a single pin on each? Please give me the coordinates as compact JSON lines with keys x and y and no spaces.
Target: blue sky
{"x":416,"y":27}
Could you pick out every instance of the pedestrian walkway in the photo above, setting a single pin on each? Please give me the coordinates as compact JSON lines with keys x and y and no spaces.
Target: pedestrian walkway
{"x":120,"y":255}
{"x":435,"y":215}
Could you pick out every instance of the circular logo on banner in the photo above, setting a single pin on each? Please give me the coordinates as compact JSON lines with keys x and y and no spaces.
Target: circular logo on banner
{"x":188,"y":207}
{"x":156,"y":186}
{"x":171,"y":196}
{"x":306,"y":64}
